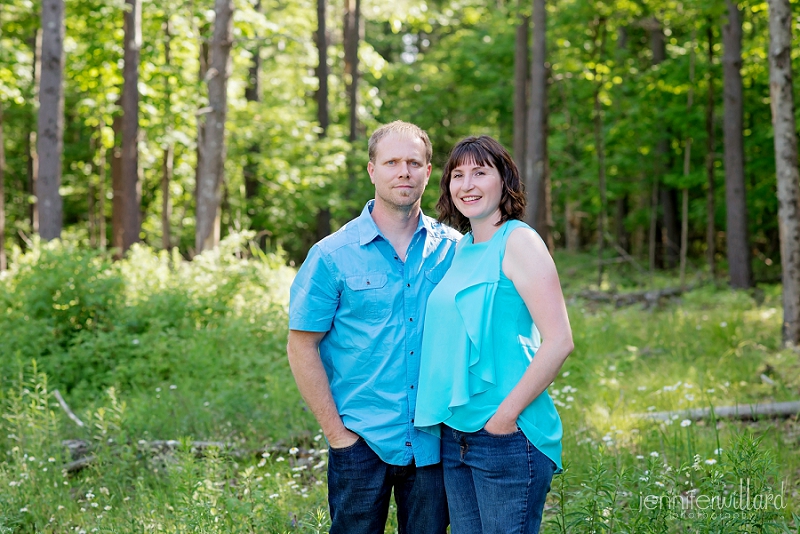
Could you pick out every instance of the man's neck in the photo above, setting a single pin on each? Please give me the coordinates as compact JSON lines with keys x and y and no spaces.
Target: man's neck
{"x":397,"y":226}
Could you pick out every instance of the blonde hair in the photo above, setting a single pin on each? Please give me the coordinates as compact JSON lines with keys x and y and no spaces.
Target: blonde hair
{"x":401,"y":128}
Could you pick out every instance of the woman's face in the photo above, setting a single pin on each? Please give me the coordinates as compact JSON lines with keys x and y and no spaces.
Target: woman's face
{"x":476,"y":191}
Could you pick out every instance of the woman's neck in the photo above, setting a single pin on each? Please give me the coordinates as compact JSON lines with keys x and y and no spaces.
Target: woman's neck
{"x":483,"y":229}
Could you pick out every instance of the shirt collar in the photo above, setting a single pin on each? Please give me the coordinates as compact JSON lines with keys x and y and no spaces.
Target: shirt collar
{"x":368,"y":230}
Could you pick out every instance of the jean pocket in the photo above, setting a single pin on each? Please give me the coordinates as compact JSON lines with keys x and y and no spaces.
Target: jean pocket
{"x":345,"y":450}
{"x":509,"y":435}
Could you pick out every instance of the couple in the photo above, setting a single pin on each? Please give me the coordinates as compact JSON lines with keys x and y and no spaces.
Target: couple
{"x":456,"y":420}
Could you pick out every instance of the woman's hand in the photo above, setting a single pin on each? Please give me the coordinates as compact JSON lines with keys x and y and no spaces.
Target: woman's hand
{"x":499,"y":425}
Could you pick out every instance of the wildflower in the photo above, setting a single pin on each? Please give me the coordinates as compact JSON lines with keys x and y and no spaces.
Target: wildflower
{"x":262,"y":463}
{"x":654,"y":454}
{"x":565,"y":375}
{"x":318,"y":437}
{"x":173,"y":386}
{"x":651,"y":408}
{"x":685,"y":423}
{"x":639,"y":457}
{"x":266,"y":455}
{"x":94,"y":505}
{"x":274,"y":496}
{"x":689,"y":397}
{"x":644,"y":479}
{"x":104,"y":491}
{"x":612,"y":368}
{"x":570,"y":398}
{"x":12,"y":483}
{"x":107,"y":508}
{"x":90,"y":495}
{"x":280,"y":459}
{"x":60,"y":507}
{"x":723,"y":324}
{"x":711,"y":461}
{"x":659,"y":484}
{"x":158,"y":390}
{"x":717,"y":451}
{"x":23,"y":510}
{"x":51,"y":460}
{"x":135,"y":341}
{"x":294,"y":450}
{"x":642,"y":388}
{"x":710,"y":390}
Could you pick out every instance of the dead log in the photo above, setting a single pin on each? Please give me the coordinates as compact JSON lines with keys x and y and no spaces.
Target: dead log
{"x":648,"y":298}
{"x":743,"y":412}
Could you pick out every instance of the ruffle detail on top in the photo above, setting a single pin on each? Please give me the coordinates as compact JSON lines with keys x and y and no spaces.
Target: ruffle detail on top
{"x":475,"y":304}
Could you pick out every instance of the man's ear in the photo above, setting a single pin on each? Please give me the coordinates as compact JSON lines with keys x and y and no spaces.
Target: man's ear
{"x":371,"y":171}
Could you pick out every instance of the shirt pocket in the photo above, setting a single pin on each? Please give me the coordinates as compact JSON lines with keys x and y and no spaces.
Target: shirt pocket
{"x":368,"y":296}
{"x":435,"y":275}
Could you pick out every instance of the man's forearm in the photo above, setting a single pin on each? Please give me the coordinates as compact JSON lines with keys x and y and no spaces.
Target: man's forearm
{"x":312,"y":381}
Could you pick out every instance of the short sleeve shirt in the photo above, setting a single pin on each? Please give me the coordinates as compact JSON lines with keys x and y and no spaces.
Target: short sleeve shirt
{"x":354,"y":287}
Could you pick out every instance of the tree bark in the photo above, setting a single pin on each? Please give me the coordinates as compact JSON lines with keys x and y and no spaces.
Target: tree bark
{"x":168,"y":163}
{"x":536,"y":138}
{"x":710,"y":158}
{"x":3,"y":264}
{"x":213,"y":141}
{"x":687,"y":160}
{"x":599,"y":143}
{"x":658,"y":49}
{"x":739,"y":256}
{"x":50,"y":130}
{"x":321,"y":38}
{"x":782,"y":100}
{"x":102,"y":240}
{"x":521,"y":66}
{"x":127,"y":191}
{"x":323,"y":116}
{"x":33,"y":156}
{"x":352,"y":34}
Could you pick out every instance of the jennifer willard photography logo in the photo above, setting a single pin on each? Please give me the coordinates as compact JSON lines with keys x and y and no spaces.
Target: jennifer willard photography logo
{"x":744,"y":501}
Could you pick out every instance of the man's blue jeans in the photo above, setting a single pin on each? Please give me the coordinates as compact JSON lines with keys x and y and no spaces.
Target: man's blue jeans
{"x":360,"y":486}
{"x":496,"y":484}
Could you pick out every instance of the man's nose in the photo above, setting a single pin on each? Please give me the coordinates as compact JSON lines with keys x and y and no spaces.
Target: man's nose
{"x":404,"y":169}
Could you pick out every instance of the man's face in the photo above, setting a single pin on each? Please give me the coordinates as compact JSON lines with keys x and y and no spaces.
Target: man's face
{"x":399,"y":172}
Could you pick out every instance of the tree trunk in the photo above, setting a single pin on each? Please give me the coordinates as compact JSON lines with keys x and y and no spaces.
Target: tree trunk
{"x":599,"y":144}
{"x":521,"y":66}
{"x":710,"y":158}
{"x":323,"y":118}
{"x":658,"y":48}
{"x":3,"y":264}
{"x":127,"y":190}
{"x":536,"y":138}
{"x":782,"y":100}
{"x":213,"y":141}
{"x":321,"y":38}
{"x":168,"y":163}
{"x":739,"y":268}
{"x":253,"y":94}
{"x":352,"y":34}
{"x":687,"y":160}
{"x":33,"y":156}
{"x":50,"y":131}
{"x":102,"y":240}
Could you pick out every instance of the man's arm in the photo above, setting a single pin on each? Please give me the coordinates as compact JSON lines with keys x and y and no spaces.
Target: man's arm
{"x":312,"y":381}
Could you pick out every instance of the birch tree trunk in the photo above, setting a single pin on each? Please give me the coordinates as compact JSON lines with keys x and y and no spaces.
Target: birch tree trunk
{"x":782,"y":101}
{"x":738,"y":247}
{"x":50,"y":130}
{"x":536,"y":138}
{"x":687,"y":160}
{"x":213,"y":140}
{"x":658,"y":47}
{"x":521,"y":65}
{"x":253,"y":94}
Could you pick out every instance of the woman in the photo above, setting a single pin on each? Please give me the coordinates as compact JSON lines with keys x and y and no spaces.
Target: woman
{"x":485,"y":367}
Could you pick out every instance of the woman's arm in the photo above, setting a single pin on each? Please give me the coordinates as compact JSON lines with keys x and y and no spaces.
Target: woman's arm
{"x":527,"y":263}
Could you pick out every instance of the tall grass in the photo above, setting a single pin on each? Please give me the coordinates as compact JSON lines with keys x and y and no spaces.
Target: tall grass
{"x":154,"y":348}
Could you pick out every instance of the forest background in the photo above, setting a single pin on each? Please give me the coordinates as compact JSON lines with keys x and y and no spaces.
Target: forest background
{"x":658,"y":146}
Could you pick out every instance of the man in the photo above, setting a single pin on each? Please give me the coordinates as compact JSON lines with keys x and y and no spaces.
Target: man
{"x":355,"y":319}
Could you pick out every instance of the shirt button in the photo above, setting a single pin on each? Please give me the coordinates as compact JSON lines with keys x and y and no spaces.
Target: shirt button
{"x":408,"y":285}
{"x":412,"y":420}
{"x":411,"y":319}
{"x":412,"y":352}
{"x":412,"y":386}
{"x":408,"y":443}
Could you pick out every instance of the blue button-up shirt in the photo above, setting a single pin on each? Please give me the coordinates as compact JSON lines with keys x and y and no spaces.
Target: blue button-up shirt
{"x":372,"y":305}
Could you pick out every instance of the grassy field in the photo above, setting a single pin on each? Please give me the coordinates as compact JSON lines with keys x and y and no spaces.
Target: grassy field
{"x":154,"y":348}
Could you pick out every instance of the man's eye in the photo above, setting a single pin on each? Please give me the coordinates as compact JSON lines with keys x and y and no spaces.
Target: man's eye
{"x":415,"y":163}
{"x":390,"y":162}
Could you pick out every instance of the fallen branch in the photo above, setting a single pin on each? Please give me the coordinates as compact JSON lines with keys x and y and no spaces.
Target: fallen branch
{"x":649,"y":298}
{"x":744,"y":412}
{"x":65,"y":407}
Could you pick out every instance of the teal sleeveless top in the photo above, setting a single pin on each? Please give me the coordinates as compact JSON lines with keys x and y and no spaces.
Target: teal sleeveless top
{"x":478,"y":340}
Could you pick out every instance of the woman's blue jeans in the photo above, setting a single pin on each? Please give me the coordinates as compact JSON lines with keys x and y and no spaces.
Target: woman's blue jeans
{"x":496,"y":484}
{"x":360,"y":487}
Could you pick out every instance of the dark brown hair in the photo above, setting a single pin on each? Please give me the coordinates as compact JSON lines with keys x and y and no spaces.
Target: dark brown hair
{"x":487,"y":152}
